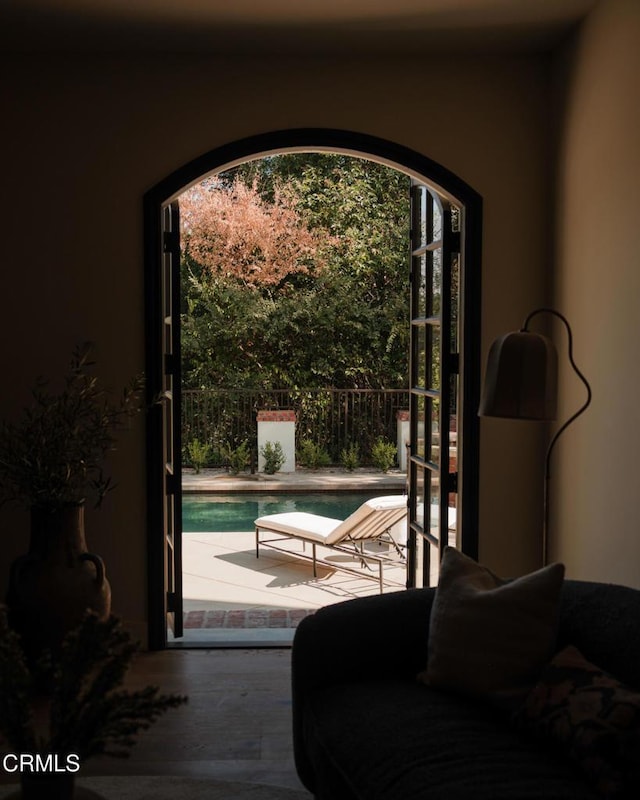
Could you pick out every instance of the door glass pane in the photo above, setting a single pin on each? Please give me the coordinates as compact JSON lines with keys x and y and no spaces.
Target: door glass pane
{"x":436,"y":228}
{"x":423,"y":199}
{"x":420,"y":374}
{"x":424,"y":282}
{"x":453,"y":414}
{"x":421,"y":445}
{"x":434,"y":500}
{"x":436,"y":282}
{"x":421,"y":544}
{"x":434,"y":565}
{"x":455,"y":302}
{"x":433,"y":338}
{"x":456,"y":219}
{"x":434,"y":451}
{"x":420,"y":497}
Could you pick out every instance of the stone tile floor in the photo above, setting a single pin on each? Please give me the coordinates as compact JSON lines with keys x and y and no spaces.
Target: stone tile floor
{"x":246,"y":618}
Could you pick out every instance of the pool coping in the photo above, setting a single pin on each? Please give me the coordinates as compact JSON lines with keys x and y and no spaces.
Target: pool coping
{"x":302,"y":480}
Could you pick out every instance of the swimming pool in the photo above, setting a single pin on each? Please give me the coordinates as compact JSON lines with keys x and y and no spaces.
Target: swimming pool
{"x":222,"y":513}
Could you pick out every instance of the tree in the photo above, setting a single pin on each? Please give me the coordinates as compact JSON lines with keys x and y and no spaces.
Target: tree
{"x":315,"y":294}
{"x":234,"y":233}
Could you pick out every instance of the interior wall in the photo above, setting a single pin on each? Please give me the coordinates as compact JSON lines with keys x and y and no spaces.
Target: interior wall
{"x":84,"y":139}
{"x":597,"y":284}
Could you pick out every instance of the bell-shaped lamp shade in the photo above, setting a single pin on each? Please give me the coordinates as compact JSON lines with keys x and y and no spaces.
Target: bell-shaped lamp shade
{"x":521,"y":378}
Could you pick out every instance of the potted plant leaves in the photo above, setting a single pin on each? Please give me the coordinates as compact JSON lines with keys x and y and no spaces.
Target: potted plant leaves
{"x":52,"y":461}
{"x":86,"y":713}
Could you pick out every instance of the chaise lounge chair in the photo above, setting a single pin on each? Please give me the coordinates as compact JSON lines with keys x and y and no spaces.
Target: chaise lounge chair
{"x":372,"y":521}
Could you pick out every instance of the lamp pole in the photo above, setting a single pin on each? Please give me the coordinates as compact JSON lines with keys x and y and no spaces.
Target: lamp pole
{"x":564,"y":426}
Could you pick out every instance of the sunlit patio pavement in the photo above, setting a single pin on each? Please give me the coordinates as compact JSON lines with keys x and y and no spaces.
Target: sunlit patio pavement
{"x":231,"y":598}
{"x":221,"y":573}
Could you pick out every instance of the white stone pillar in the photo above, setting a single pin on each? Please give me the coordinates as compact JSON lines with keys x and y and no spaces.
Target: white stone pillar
{"x":278,"y":426}
{"x":402,"y":427}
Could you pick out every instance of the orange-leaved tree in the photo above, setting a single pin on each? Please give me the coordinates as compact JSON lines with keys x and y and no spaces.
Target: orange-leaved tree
{"x":232,"y":232}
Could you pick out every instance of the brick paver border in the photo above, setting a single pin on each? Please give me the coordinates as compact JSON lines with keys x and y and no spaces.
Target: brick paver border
{"x":246,"y":618}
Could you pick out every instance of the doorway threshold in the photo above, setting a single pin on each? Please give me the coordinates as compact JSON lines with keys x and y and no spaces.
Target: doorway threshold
{"x":233,"y":638}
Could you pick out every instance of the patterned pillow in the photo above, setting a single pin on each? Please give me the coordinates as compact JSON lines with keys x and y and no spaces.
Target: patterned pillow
{"x":593,"y":717}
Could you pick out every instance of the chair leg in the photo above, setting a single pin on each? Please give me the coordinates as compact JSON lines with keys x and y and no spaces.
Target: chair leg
{"x":315,"y":570}
{"x":257,"y":543}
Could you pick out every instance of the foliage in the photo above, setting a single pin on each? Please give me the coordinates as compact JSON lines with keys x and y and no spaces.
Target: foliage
{"x":274,"y":458}
{"x":312,"y":455}
{"x":199,"y":453}
{"x":350,"y":457}
{"x":335,"y":315}
{"x":237,"y":457}
{"x":233,"y":232}
{"x":88,"y":714}
{"x":383,"y":454}
{"x":54,"y":456}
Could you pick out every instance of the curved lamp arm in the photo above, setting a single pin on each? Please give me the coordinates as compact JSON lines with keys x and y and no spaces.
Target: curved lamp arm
{"x":565,"y":425}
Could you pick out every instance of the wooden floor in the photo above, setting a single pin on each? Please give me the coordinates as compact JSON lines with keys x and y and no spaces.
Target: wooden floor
{"x":236,"y":725}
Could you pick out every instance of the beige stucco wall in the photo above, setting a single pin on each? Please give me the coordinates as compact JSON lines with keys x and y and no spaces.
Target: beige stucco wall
{"x":84,"y":138}
{"x":597,"y":284}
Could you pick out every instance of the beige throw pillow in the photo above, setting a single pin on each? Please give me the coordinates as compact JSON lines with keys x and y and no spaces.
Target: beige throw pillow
{"x":487,"y":635}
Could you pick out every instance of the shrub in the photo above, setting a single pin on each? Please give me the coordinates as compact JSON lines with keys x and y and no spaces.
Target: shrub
{"x":350,"y":457}
{"x":273,"y":456}
{"x":237,"y":457}
{"x":383,"y":454}
{"x":86,"y":711}
{"x":199,"y":453}
{"x":312,"y":455}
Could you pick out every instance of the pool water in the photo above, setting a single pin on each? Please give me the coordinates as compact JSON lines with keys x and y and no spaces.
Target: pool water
{"x":220,"y":513}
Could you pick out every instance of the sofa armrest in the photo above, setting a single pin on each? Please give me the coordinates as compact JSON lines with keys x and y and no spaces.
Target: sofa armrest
{"x":371,"y":637}
{"x":368,"y":637}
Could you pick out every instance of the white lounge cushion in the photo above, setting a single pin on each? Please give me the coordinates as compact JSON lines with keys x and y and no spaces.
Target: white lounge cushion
{"x":300,"y":524}
{"x":369,"y":520}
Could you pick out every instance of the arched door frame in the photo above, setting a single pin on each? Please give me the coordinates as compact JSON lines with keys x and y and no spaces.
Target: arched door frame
{"x":361,"y":145}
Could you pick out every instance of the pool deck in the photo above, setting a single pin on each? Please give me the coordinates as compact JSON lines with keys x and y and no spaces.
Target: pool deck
{"x":302,"y":480}
{"x":232,"y":598}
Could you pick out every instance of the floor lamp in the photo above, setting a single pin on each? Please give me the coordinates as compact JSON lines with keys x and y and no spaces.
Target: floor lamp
{"x":521,"y":382}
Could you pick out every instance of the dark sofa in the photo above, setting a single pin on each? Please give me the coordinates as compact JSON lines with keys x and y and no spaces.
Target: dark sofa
{"x":365,"y":729}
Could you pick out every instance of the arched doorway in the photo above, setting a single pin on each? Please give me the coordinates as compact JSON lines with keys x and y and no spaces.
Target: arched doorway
{"x":445,"y":250}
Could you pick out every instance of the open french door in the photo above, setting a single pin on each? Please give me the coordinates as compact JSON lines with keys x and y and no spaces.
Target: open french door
{"x":171,"y":416}
{"x":434,"y":521}
{"x":445,"y":358}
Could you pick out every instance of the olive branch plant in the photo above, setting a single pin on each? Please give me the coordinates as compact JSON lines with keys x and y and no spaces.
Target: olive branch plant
{"x":54,"y":454}
{"x":86,"y":713}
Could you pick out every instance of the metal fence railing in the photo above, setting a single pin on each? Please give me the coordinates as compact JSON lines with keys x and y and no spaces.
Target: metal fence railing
{"x":331,"y":418}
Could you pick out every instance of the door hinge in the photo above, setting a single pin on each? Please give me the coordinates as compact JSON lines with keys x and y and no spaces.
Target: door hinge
{"x":171,"y":601}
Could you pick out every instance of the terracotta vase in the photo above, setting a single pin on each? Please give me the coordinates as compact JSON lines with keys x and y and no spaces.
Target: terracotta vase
{"x":53,"y":585}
